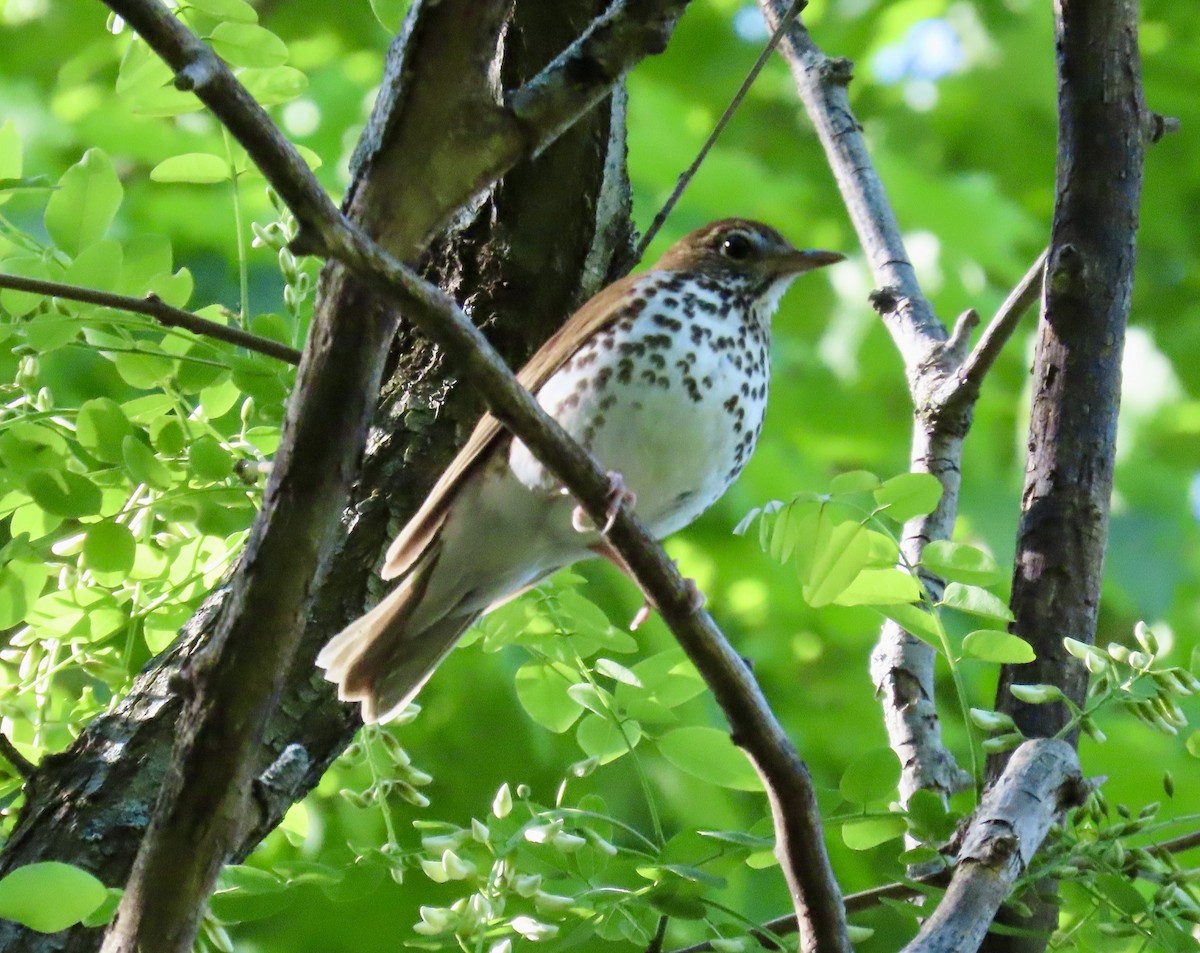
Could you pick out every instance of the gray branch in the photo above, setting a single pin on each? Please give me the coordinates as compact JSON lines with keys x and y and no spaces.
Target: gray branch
{"x":902,"y":667}
{"x":1041,"y":781}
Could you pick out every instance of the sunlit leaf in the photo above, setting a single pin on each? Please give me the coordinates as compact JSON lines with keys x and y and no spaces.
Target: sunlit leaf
{"x":49,"y":896}
{"x":710,"y":755}
{"x":84,"y":204}
{"x":958,"y":562}
{"x":247,"y":44}
{"x":195,"y":167}
{"x":908,"y":495}
{"x":976,"y":601}
{"x":993,"y":645}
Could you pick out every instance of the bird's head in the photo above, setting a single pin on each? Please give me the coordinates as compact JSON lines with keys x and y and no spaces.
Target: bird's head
{"x":742,"y":247}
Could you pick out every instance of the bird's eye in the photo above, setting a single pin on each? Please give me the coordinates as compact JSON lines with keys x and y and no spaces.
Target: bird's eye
{"x":736,"y":246}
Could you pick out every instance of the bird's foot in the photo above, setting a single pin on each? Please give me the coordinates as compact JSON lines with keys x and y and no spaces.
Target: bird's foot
{"x":618,"y":495}
{"x":696,"y":600}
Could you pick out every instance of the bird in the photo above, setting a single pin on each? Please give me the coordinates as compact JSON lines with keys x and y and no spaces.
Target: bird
{"x":662,"y":376}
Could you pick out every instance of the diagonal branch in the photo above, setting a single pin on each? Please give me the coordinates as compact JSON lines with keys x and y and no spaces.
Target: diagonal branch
{"x":235,"y":684}
{"x":153,"y":910}
{"x":154,"y":307}
{"x":963,"y":389}
{"x":1042,"y":780}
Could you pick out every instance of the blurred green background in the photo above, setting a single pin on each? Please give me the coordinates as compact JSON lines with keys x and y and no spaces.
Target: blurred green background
{"x":957,"y":102}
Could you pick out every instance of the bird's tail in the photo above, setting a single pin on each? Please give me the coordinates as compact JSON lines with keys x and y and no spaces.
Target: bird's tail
{"x":380,"y":661}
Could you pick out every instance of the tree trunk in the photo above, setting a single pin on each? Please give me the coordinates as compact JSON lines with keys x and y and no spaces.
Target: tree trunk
{"x":537,"y":245}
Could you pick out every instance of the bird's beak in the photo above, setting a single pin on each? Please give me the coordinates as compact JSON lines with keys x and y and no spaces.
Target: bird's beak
{"x":798,"y":261}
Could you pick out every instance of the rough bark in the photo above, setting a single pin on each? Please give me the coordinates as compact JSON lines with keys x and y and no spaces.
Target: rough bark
{"x":90,"y":806}
{"x":1042,"y":779}
{"x":1077,"y":367}
{"x":1077,"y":372}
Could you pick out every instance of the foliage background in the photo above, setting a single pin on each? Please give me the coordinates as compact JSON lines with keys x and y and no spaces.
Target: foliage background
{"x":958,"y":103}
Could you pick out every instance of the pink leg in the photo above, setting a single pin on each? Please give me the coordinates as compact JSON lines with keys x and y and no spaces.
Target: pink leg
{"x":695,"y":597}
{"x":618,"y":495}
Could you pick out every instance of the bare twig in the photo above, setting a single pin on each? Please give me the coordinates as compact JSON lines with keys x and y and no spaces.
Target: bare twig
{"x":153,"y":890}
{"x":22,"y":765}
{"x":964,"y":387}
{"x":1041,"y":780}
{"x":154,"y":307}
{"x":688,"y":173}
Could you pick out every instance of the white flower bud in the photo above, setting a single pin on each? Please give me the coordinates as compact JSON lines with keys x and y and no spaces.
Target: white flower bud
{"x":526,"y":885}
{"x":502,"y":803}
{"x":457,"y":868}
{"x":532,"y":929}
{"x":552,"y":902}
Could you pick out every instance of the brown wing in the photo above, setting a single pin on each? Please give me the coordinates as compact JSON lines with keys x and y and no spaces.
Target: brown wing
{"x":422,"y":529}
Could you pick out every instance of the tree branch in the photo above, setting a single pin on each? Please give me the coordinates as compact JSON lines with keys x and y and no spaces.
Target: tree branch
{"x":902,"y":667}
{"x":1077,"y":367}
{"x":154,"y":307}
{"x":1041,"y":780}
{"x":202,"y":801}
{"x":964,"y":388}
{"x":22,"y":765}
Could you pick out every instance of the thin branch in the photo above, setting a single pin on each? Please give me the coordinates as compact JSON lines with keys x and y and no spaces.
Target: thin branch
{"x":154,"y":307}
{"x":22,"y":765}
{"x":965,"y":386}
{"x":907,"y":890}
{"x":668,"y":206}
{"x":1042,"y":779}
{"x":902,"y":667}
{"x":154,"y":905}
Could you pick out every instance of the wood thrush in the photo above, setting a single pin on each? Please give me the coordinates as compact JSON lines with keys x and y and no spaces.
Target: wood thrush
{"x":662,"y":376}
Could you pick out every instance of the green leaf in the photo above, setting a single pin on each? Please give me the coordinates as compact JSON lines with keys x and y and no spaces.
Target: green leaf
{"x":64,"y":493}
{"x":209,"y":460}
{"x":958,"y":562}
{"x":865,"y":833}
{"x":236,"y":10}
{"x":840,"y":558}
{"x":274,"y":85}
{"x":908,"y":495}
{"x":20,"y":303}
{"x":976,"y":601}
{"x":196,"y":167}
{"x":853,"y":481}
{"x":542,"y":692}
{"x":21,"y":583}
{"x":709,"y":754}
{"x":994,"y":645}
{"x":248,"y":44}
{"x":618,"y":672}
{"x":49,"y":896}
{"x":85,"y":202}
{"x":109,"y":547}
{"x":97,"y":266}
{"x":389,"y":13}
{"x":590,"y":697}
{"x":872,"y":776}
{"x":100,"y":428}
{"x":143,"y":465}
{"x":916,"y":622}
{"x":600,"y":738}
{"x":880,"y":587}
{"x":10,"y":151}
{"x":1193,"y":744}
